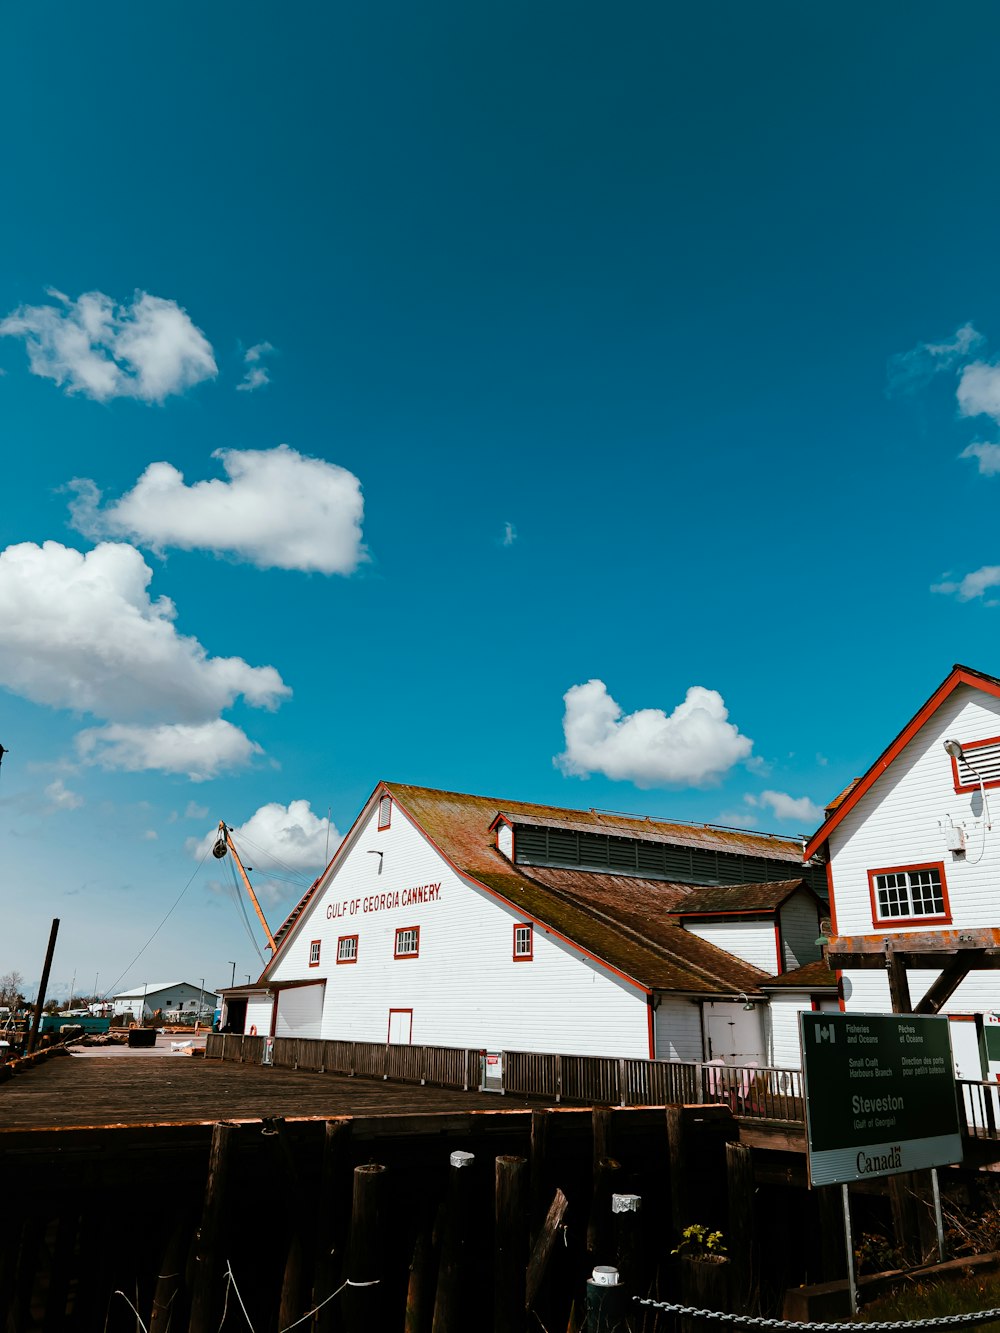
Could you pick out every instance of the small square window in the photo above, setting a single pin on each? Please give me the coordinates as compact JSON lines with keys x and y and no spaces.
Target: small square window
{"x":407,"y":942}
{"x":524,"y":943}
{"x":385,"y":812}
{"x":347,"y":949}
{"x":314,"y":953}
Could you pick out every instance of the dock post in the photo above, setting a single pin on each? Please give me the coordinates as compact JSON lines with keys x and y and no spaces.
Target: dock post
{"x":363,"y":1304}
{"x":452,"y":1296}
{"x":207,"y":1286}
{"x":511,"y":1246}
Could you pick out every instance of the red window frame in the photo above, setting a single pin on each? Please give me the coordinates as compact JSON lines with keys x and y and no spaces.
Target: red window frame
{"x":961,"y":786}
{"x":888,"y":922}
{"x":415,"y":953}
{"x":315,"y":947}
{"x":340,"y":941}
{"x":385,"y":803}
{"x":529,"y":956}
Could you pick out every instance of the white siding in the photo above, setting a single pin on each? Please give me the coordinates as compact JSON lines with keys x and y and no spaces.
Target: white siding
{"x":464,"y":988}
{"x":799,"y":917}
{"x":753,"y":941}
{"x":259,"y":1015}
{"x":505,"y":840}
{"x":897,"y":823}
{"x":300,"y":1012}
{"x":784,"y":1050}
{"x":677,"y":1026}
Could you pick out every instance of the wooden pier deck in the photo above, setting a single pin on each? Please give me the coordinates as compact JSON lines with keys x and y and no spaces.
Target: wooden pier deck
{"x":96,"y":1093}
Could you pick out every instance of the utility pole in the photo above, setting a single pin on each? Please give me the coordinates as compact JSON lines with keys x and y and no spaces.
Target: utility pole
{"x":40,"y":1001}
{"x":232,"y":979}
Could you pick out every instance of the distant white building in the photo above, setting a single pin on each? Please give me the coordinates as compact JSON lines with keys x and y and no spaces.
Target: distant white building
{"x":171,"y":998}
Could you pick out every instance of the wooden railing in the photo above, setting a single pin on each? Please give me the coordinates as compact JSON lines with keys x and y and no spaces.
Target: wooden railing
{"x":754,"y":1092}
{"x":441,"y":1066}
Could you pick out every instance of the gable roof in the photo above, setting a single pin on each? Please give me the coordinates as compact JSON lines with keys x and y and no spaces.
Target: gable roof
{"x":959,"y":675}
{"x":809,"y":977}
{"x":721,"y":899}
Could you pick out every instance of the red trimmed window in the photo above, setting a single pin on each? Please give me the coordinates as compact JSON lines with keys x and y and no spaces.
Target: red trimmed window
{"x":347,"y":949}
{"x":314,"y":947}
{"x":909,"y":893}
{"x":385,"y":812}
{"x":985,"y":756}
{"x":407,"y":942}
{"x":524,"y":943}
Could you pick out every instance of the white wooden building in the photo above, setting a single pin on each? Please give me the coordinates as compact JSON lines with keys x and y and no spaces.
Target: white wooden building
{"x":456,"y":920}
{"x":913,"y":848}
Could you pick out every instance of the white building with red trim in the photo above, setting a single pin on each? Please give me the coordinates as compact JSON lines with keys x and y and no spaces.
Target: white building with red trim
{"x":913,"y":858}
{"x":446,"y":919}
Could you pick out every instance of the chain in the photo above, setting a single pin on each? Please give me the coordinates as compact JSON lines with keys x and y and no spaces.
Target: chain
{"x":790,"y":1326}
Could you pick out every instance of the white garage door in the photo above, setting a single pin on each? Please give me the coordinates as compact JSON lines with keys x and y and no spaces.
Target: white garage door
{"x":300,"y":1011}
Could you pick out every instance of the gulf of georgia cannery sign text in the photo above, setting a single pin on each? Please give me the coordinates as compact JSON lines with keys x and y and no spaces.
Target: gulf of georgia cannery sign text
{"x":880,"y":1095}
{"x":381,"y":902}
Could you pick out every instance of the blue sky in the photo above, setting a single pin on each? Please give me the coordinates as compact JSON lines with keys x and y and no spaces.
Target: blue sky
{"x":616,"y":355}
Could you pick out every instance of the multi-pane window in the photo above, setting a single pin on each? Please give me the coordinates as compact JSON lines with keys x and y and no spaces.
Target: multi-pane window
{"x":347,"y":949}
{"x":407,"y":942}
{"x":918,"y":892}
{"x":314,"y":953}
{"x":385,"y":812}
{"x":523,"y":943}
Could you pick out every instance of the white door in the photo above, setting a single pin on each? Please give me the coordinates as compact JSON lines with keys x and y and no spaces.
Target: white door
{"x":965,"y":1049}
{"x":400,"y":1027}
{"x":733,"y":1034}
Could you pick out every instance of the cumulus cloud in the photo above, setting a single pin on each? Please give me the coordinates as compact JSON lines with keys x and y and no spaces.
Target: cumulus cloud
{"x":909,"y":371}
{"x":692,"y":746}
{"x":60,"y":797}
{"x":972,"y":585}
{"x":978,"y":391}
{"x":146,"y":349}
{"x":987,"y":455}
{"x":195,"y":811}
{"x":279,"y":509}
{"x":290,"y":836}
{"x":80,"y":631}
{"x":198,"y":751}
{"x":256,"y":374}
{"x":782,"y":806}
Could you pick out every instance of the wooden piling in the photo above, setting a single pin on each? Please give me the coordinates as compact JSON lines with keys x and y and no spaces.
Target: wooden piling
{"x":740,"y":1228}
{"x":540,"y":1121}
{"x":510,"y":1254}
{"x":168,"y":1313}
{"x":606,"y":1175}
{"x":363,"y":1304}
{"x":545,"y":1243}
{"x":328,"y":1259}
{"x":626,"y":1239}
{"x":452,"y":1312}
{"x":417,"y":1317}
{"x":207,"y":1281}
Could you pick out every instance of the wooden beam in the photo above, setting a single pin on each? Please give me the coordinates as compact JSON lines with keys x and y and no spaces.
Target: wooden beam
{"x":954,"y":972}
{"x":914,"y":941}
{"x":899,"y":985}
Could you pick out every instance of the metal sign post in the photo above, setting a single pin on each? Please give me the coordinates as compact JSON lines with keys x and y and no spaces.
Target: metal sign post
{"x":852,"y":1281}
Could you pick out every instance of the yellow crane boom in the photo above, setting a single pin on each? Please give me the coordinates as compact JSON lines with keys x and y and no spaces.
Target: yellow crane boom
{"x":223,"y":844}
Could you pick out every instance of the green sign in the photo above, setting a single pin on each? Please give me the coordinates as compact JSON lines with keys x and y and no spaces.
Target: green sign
{"x":880,"y":1095}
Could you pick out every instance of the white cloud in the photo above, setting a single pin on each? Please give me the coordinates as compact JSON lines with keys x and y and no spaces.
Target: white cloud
{"x":972,"y":585}
{"x":979,"y":390}
{"x":198,"y":751}
{"x":80,"y":631}
{"x":256,"y":375}
{"x":509,"y":535}
{"x":909,"y":371}
{"x":693,"y":746}
{"x":782,"y":806}
{"x":987,"y":455}
{"x":279,"y":509}
{"x":195,"y":811}
{"x":290,"y":836}
{"x":60,"y":797}
{"x":148,"y":349}
{"x":150,"y":835}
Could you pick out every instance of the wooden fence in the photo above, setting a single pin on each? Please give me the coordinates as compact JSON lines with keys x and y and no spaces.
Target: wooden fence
{"x":440,"y":1066}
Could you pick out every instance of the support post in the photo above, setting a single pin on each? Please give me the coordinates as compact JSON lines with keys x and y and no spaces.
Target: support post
{"x":543,"y":1247}
{"x":207,"y":1285}
{"x":511,"y":1245}
{"x":852,"y":1284}
{"x":36,"y":1016}
{"x":333,"y":1173}
{"x":451,"y":1299}
{"x":739,"y":1179}
{"x":938,"y":1216}
{"x":540,"y":1121}
{"x":364,"y":1304}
